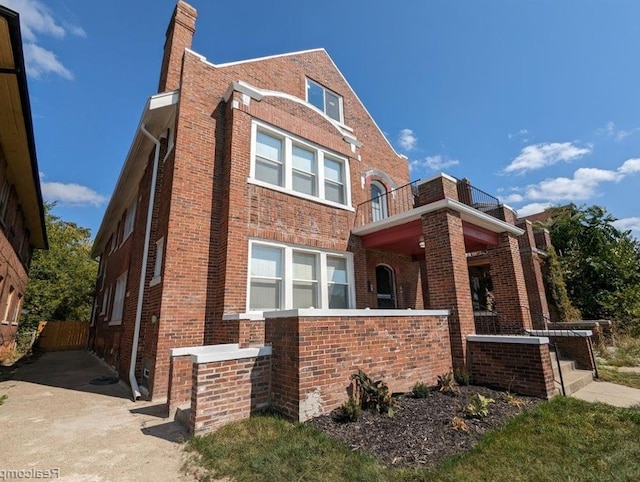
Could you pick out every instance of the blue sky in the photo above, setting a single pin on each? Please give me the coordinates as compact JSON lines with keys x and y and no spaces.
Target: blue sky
{"x":536,"y":101}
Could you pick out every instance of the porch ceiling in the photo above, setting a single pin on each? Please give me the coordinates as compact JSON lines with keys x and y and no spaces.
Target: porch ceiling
{"x":402,"y":233}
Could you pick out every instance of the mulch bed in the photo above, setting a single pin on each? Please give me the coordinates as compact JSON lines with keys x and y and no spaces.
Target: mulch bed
{"x":421,"y":434}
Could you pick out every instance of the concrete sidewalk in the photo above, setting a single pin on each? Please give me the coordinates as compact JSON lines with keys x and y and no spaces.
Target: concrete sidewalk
{"x":54,"y":419}
{"x":610,"y":393}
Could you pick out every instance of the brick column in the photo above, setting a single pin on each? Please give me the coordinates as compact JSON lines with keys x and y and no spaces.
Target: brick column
{"x":531,"y":266}
{"x":448,"y":276}
{"x":440,"y":187}
{"x":509,"y":287}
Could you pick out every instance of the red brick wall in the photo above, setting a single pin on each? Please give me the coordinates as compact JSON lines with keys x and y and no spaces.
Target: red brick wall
{"x":244,"y":331}
{"x":509,"y":287}
{"x":314,"y":356}
{"x":227,"y":391}
{"x":180,"y":382}
{"x":442,"y":187}
{"x":520,"y":368}
{"x":446,"y":266}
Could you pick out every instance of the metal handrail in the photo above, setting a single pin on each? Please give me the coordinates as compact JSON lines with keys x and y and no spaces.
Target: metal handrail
{"x":476,"y":198}
{"x":396,"y":201}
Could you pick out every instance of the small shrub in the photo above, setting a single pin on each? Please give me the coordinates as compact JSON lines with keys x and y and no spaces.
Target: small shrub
{"x":458,"y":423}
{"x":446,"y":384}
{"x":3,"y":398}
{"x":511,"y":399}
{"x":350,"y":411}
{"x":420,"y":390}
{"x":479,"y":406}
{"x":462,"y":376}
{"x":373,"y":395}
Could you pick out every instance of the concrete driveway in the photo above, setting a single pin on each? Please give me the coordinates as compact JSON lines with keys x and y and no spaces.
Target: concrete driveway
{"x":54,"y":419}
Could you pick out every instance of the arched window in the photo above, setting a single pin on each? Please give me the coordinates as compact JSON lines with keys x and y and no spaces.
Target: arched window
{"x":378,"y":201}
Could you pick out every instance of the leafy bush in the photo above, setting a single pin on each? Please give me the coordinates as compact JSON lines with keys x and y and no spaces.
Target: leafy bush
{"x":446,"y":384}
{"x":478,"y":406}
{"x":350,"y":411}
{"x":420,"y":390}
{"x":462,"y":376}
{"x":373,"y":395}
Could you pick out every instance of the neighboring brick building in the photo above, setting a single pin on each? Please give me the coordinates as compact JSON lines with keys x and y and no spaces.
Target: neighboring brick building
{"x":22,"y":227}
{"x":265,"y":185}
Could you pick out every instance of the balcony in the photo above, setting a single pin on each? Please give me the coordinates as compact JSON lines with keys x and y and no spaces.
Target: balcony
{"x":393,"y":220}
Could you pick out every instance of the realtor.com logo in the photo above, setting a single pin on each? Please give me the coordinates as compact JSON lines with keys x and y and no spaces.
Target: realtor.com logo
{"x":25,"y":474}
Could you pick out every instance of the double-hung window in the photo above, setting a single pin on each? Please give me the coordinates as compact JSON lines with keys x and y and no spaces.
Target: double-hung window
{"x":4,"y":199}
{"x":118,"y":299}
{"x":129,"y":221}
{"x":327,"y":101}
{"x":286,"y":277}
{"x":298,"y":167}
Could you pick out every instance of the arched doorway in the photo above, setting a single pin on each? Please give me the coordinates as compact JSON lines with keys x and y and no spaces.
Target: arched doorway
{"x":378,"y":201}
{"x":385,"y":284}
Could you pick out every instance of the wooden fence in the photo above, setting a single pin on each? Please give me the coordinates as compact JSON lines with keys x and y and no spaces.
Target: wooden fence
{"x":62,"y":335}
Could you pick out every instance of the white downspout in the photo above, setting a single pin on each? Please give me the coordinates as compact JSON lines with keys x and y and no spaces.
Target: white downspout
{"x":135,"y":389}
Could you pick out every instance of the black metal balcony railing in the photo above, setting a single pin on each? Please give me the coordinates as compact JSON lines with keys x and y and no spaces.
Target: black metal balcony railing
{"x":405,"y":198}
{"x":396,"y":201}
{"x":476,"y":198}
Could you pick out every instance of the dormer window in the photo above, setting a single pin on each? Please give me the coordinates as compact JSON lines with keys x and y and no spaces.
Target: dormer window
{"x":327,"y":101}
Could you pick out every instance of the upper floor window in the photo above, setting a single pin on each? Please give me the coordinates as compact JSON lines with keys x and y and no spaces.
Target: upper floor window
{"x":118,"y":298}
{"x":285,"y":277}
{"x":4,"y":199}
{"x":299,"y":166}
{"x":378,"y":201}
{"x":327,"y":101}
{"x":129,"y":221}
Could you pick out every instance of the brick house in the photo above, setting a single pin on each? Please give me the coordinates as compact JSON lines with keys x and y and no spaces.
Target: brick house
{"x":260,"y":199}
{"x":22,"y":227}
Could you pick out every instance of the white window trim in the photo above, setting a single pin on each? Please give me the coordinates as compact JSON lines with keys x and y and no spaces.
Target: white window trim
{"x":119,"y":295}
{"x":324,"y":107}
{"x":288,"y":141}
{"x":287,"y":276}
{"x":129,"y":221}
{"x":158,"y":262}
{"x":105,"y":302}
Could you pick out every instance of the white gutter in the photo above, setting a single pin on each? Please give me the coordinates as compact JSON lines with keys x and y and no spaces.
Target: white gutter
{"x":135,"y":389}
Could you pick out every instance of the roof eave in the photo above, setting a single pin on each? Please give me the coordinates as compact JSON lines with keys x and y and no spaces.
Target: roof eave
{"x":156,"y":115}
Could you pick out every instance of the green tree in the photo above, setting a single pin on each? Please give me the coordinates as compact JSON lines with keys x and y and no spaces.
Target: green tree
{"x":600,"y":263}
{"x":62,"y":278}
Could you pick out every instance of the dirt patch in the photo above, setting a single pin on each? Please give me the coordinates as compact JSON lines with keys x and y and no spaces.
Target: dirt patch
{"x":422,"y":432}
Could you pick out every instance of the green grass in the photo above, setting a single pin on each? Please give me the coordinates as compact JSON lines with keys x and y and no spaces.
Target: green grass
{"x":621,"y":378}
{"x":625,"y":352}
{"x":565,"y":439}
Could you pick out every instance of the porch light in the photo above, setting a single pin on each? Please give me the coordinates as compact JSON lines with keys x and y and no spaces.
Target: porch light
{"x":421,"y":243}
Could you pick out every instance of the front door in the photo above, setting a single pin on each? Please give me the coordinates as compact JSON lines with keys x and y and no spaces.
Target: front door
{"x":385,"y":285}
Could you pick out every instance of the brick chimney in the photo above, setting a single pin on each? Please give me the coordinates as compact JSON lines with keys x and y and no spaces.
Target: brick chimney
{"x":179,"y":35}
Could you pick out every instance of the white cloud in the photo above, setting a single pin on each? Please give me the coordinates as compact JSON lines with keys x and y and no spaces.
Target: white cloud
{"x":71,"y":194}
{"x":40,"y":61}
{"x":512,"y":198}
{"x":434,"y":163}
{"x":37,"y":19}
{"x":626,"y":224}
{"x":522,"y":134}
{"x":617,"y":134}
{"x":407,"y":139}
{"x":582,"y":185}
{"x":533,"y":208}
{"x":630,"y":166}
{"x":538,"y":156}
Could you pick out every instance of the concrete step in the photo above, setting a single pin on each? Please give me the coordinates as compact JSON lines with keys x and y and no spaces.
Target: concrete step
{"x":574,"y":379}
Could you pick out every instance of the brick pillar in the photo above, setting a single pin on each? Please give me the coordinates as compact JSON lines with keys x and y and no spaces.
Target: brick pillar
{"x":448,"y":276}
{"x":440,"y":187}
{"x":509,"y":287}
{"x":531,"y":266}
